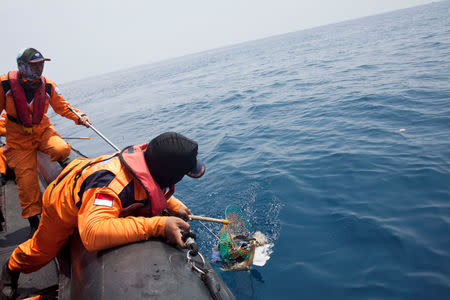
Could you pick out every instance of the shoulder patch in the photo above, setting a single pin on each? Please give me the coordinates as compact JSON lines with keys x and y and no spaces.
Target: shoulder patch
{"x":103,"y":200}
{"x":97,"y":179}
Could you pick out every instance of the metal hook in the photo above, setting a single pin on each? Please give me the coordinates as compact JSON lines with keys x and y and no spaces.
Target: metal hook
{"x":189,"y":258}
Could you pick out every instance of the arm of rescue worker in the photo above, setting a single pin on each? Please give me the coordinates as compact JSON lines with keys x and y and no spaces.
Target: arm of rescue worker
{"x":100,"y":226}
{"x":177,"y":208}
{"x":59,"y":105}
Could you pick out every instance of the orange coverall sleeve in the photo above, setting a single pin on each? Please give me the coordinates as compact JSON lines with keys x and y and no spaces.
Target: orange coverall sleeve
{"x":173,"y":205}
{"x":59,"y":104}
{"x":100,"y":226}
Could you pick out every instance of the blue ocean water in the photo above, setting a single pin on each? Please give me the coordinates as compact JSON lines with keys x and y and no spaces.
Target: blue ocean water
{"x":334,"y":141}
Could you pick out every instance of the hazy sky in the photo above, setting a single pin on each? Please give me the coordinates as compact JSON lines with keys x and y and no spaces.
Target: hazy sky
{"x":90,"y":37}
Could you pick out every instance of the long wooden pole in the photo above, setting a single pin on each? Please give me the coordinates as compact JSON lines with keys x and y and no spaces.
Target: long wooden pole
{"x":76,"y":137}
{"x":207,"y":219}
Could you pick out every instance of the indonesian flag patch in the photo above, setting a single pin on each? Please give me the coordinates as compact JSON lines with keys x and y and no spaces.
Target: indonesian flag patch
{"x":103,"y":200}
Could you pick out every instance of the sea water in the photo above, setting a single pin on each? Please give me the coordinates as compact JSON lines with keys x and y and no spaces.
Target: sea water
{"x":334,"y":141}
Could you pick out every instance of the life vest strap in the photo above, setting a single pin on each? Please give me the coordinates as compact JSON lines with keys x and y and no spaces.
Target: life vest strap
{"x":13,"y":119}
{"x":28,"y":130}
{"x":132,"y":158}
{"x":20,"y":100}
{"x":6,"y":86}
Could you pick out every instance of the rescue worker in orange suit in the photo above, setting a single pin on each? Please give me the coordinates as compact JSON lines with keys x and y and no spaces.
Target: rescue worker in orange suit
{"x":112,"y":200}
{"x":25,"y":96}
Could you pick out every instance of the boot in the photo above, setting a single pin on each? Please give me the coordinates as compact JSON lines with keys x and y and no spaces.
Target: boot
{"x":34,"y":224}
{"x":8,"y":283}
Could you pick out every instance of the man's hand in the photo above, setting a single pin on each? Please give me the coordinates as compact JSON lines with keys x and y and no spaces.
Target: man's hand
{"x":183,"y":212}
{"x":84,"y":120}
{"x":173,"y":229}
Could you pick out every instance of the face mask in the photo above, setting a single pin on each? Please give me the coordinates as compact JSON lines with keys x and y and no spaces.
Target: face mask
{"x":31,"y":71}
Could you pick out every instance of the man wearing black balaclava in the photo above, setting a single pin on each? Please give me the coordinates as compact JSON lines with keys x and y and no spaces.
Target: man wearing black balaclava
{"x":95,"y":196}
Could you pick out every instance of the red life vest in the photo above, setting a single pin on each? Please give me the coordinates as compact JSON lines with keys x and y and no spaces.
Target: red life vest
{"x":133,"y":158}
{"x":25,"y":116}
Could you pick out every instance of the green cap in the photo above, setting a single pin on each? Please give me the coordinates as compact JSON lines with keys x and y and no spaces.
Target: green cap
{"x":30,"y":55}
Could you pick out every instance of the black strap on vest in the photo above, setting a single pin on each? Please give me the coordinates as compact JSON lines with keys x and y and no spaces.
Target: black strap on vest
{"x":6,"y":86}
{"x":48,"y":89}
{"x":60,"y":178}
{"x":78,"y":175}
{"x":13,"y":119}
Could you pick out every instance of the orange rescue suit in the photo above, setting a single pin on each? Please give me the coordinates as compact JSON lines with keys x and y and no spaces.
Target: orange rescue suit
{"x":25,"y":135}
{"x":92,"y":195}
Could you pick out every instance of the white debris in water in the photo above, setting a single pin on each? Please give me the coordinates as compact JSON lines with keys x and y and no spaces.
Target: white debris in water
{"x":260,"y":238}
{"x":262,"y":255}
{"x":263,"y":249}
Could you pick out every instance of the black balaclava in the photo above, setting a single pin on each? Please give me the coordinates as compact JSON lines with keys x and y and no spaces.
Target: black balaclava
{"x":169,"y":157}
